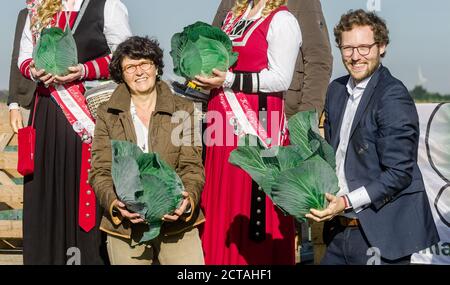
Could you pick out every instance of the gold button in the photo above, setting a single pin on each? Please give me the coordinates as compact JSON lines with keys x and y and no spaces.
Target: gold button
{"x":258,"y":211}
{"x":88,"y":204}
{"x":88,"y":192}
{"x":87,"y":215}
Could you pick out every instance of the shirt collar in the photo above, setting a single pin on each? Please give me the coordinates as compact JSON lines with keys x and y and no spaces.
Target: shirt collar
{"x":351,"y":87}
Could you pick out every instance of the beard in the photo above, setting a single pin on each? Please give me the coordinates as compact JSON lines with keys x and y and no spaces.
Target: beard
{"x":362,"y":68}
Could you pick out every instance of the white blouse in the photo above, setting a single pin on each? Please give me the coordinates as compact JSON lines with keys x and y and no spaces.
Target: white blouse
{"x":284,"y":40}
{"x":140,"y":129}
{"x":116,"y":28}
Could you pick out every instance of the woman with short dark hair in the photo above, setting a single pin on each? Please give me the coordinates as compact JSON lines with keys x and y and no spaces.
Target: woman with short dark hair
{"x":141,"y":111}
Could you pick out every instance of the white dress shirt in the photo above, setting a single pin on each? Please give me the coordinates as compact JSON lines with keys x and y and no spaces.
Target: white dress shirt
{"x":359,"y":198}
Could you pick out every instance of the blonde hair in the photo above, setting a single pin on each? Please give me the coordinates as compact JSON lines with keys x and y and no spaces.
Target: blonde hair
{"x":241,"y":5}
{"x":45,"y":12}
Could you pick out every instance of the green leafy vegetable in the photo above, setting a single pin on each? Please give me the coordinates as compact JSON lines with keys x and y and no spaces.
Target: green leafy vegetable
{"x":145,"y":184}
{"x":295,"y":177}
{"x":299,"y":189}
{"x":200,"y":48}
{"x":55,"y":51}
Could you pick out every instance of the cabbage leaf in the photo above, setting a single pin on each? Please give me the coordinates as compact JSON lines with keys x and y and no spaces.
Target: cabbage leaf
{"x":55,"y":51}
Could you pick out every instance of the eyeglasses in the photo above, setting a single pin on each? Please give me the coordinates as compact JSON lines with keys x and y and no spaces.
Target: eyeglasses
{"x":362,"y":49}
{"x":146,"y":65}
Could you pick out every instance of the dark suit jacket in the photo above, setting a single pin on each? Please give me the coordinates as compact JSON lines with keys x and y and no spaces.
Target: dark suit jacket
{"x":314,"y":62}
{"x":382,"y":156}
{"x":21,"y":90}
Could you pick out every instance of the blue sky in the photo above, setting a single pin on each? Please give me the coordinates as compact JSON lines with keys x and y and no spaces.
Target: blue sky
{"x":419,"y":30}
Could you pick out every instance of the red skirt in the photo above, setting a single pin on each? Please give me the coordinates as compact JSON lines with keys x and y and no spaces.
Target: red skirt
{"x":226,"y":200}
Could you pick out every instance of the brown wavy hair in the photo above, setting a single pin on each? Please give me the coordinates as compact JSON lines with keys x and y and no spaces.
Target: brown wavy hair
{"x":241,"y":5}
{"x":362,"y":18}
{"x":136,"y":48}
{"x":45,"y":13}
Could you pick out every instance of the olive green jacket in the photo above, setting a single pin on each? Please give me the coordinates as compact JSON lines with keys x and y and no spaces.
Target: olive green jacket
{"x":114,"y":122}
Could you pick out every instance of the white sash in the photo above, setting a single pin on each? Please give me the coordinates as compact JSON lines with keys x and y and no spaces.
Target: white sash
{"x":248,"y":118}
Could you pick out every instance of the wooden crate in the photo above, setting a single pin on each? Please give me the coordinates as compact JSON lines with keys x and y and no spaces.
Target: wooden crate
{"x":11,"y":192}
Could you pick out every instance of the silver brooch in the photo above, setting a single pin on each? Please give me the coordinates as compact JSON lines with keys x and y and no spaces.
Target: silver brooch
{"x":237,"y":129}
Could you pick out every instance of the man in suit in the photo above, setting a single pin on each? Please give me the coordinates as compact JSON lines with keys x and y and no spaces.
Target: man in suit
{"x":314,"y":62}
{"x":21,"y":90}
{"x":381,"y":214}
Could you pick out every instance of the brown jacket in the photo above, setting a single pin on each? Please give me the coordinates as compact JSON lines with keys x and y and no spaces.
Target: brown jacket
{"x":314,"y":62}
{"x":114,"y":122}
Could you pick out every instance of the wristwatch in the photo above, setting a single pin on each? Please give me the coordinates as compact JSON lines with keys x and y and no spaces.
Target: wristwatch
{"x":348,"y":205}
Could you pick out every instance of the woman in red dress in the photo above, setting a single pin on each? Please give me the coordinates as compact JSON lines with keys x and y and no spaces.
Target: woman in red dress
{"x":242,"y":224}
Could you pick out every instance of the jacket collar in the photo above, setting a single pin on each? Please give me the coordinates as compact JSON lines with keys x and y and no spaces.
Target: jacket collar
{"x":121,"y":99}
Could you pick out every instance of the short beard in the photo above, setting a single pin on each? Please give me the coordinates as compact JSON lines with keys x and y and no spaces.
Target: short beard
{"x":366,"y":75}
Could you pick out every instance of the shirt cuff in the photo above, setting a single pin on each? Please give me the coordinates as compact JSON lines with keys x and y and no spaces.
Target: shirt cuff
{"x":229,"y":80}
{"x":83,"y":71}
{"x":32,"y":78}
{"x":13,"y":106}
{"x":359,"y":199}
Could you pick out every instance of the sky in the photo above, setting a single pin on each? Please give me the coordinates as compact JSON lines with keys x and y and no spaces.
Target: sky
{"x":419,"y":32}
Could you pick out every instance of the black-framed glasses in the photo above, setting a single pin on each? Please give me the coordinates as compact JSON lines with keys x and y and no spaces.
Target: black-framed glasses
{"x":132,"y":68}
{"x":362,"y":49}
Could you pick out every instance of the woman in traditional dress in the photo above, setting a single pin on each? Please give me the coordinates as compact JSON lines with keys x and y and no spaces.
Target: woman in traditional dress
{"x":61,"y":216}
{"x":242,"y":224}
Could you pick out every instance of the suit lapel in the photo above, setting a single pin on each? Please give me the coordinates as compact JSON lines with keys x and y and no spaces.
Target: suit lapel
{"x":340,"y":106}
{"x":367,"y":95}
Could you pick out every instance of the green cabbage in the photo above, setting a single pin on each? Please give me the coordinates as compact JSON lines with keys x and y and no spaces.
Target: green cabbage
{"x":295,"y":177}
{"x":55,"y":51}
{"x":200,"y":48}
{"x":145,"y":184}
